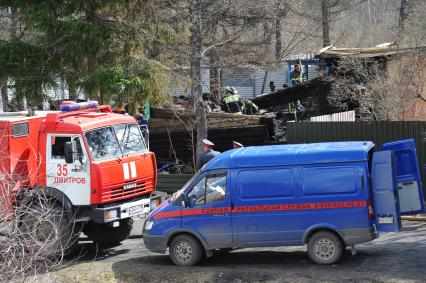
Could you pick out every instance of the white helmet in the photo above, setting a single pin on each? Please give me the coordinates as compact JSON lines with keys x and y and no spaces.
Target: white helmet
{"x":230,"y":90}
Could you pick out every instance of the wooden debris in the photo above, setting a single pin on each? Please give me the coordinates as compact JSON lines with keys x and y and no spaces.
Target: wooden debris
{"x":167,"y":120}
{"x":319,"y":87}
{"x":420,"y":217}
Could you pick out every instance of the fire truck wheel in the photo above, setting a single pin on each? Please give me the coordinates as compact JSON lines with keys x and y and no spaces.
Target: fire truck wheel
{"x":47,"y":227}
{"x":106,"y":235}
{"x":185,"y":250}
{"x":325,"y":247}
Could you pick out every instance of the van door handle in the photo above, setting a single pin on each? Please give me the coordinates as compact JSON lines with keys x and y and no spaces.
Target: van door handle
{"x":407,"y":183}
{"x":223,"y":214}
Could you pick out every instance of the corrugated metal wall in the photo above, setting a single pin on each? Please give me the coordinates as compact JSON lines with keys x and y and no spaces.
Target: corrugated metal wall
{"x":244,"y":83}
{"x":378,"y":132}
{"x":348,"y":116}
{"x":247,"y":81}
{"x":278,"y":76}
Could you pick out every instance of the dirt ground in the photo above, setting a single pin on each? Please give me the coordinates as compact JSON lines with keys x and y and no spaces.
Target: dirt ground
{"x":395,"y":257}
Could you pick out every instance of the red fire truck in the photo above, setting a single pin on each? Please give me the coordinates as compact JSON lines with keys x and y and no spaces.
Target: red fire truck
{"x":91,"y":163}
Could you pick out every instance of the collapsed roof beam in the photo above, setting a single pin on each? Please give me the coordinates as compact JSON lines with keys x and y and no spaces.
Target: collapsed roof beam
{"x":319,"y":87}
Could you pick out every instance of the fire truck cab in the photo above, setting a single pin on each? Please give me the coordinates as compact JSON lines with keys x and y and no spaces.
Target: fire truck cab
{"x":92,"y":163}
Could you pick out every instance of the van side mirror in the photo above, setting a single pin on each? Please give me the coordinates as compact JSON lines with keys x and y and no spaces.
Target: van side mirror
{"x":68,"y":152}
{"x":185,"y":201}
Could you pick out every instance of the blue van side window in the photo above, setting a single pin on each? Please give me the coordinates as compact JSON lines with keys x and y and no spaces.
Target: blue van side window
{"x":329,"y":180}
{"x":405,"y":165}
{"x":265,"y":183}
{"x":216,"y":190}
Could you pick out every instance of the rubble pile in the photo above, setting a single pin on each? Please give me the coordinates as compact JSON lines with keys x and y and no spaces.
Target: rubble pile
{"x":256,"y":122}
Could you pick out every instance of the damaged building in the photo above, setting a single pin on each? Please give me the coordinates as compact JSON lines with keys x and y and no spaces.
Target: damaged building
{"x":173,"y":129}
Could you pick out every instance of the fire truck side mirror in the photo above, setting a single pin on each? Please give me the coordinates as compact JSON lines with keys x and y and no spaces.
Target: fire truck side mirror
{"x":68,"y":152}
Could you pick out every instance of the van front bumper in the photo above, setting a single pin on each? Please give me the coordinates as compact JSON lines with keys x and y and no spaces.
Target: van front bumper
{"x":155,"y":243}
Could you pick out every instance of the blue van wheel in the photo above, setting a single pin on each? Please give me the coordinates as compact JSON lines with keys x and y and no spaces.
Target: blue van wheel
{"x":185,"y":250}
{"x":325,"y":247}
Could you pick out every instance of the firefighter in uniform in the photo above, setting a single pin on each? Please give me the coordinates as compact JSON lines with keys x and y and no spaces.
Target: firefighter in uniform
{"x":297,"y":76}
{"x":208,"y":154}
{"x":231,"y":102}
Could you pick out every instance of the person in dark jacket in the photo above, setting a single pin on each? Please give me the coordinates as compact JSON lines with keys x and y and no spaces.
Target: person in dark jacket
{"x":272,"y":86}
{"x":297,"y":76}
{"x":208,"y":154}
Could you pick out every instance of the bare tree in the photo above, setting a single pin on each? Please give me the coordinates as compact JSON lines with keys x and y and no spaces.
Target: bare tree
{"x":404,"y":10}
{"x":412,"y":23}
{"x":379,"y":88}
{"x":35,"y":230}
{"x":35,"y":238}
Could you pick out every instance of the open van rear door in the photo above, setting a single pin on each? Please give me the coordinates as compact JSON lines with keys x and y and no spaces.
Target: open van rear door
{"x":386,"y":208}
{"x":409,"y":186}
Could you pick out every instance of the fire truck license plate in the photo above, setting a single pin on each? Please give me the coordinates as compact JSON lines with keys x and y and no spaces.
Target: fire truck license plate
{"x":135,"y":209}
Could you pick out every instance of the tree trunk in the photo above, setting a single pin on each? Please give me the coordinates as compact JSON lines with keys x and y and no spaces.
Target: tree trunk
{"x":95,"y":94}
{"x":264,"y":82}
{"x":214,"y":74}
{"x":18,"y":104}
{"x":13,"y":24}
{"x":196,"y":86}
{"x":92,"y":61}
{"x":325,"y":16}
{"x":213,"y":63}
{"x":278,"y":44}
{"x":4,"y":98}
{"x":72,"y":90}
{"x":403,"y":15}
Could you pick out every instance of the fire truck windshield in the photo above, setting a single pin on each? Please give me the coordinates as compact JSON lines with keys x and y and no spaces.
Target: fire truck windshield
{"x":115,"y":141}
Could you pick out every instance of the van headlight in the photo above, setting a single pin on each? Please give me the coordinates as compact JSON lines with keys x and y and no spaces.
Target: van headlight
{"x":148,"y":225}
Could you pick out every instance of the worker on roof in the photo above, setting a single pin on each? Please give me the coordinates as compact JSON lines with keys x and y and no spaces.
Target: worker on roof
{"x":208,"y":154}
{"x":297,"y":76}
{"x":272,"y":86}
{"x":231,"y":102}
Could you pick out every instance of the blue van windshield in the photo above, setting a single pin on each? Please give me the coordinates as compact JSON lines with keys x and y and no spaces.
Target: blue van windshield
{"x":177,"y":194}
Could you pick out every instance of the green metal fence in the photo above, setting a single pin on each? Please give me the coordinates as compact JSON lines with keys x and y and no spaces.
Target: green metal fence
{"x":378,"y":132}
{"x":170,"y":183}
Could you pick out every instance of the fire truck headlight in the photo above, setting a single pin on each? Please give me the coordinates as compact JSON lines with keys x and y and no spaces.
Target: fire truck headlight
{"x":111,"y":214}
{"x":148,"y":225}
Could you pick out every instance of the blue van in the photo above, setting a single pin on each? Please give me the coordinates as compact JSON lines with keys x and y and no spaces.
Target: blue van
{"x":326,"y":195}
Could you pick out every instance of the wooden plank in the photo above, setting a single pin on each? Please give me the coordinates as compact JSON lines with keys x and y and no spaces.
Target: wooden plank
{"x":170,"y":114}
{"x":176,"y":126}
{"x":414,"y":218}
